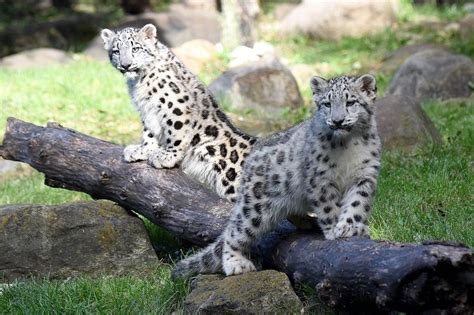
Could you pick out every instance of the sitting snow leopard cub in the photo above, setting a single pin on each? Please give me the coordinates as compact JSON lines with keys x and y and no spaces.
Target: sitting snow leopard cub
{"x":182,"y":123}
{"x":327,"y":165}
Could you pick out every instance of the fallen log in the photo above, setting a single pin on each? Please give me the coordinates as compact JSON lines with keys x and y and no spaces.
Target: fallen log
{"x":356,"y":274}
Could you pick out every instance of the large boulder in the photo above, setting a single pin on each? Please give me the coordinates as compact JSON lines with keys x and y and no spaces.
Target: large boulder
{"x":283,"y":9}
{"x":72,"y":239}
{"x":402,"y":123}
{"x":393,"y":60}
{"x":62,"y":33}
{"x":265,"y":292}
{"x":174,"y":27}
{"x":39,"y":57}
{"x":201,"y":4}
{"x":466,"y":26}
{"x":303,"y":74}
{"x":434,"y":73}
{"x":259,"y":127}
{"x":329,"y":19}
{"x":196,"y":53}
{"x":264,"y":86}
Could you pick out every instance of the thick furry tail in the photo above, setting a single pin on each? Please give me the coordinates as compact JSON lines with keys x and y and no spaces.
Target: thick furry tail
{"x":208,"y":260}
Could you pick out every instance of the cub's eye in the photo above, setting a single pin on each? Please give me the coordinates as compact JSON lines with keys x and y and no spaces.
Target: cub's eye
{"x":350,"y":103}
{"x":135,"y":49}
{"x":326,"y":104}
{"x":115,"y":51}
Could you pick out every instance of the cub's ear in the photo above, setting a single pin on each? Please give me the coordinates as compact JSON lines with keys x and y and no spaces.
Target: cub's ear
{"x":148,"y":32}
{"x":367,"y":85}
{"x":318,"y":85}
{"x":108,"y":37}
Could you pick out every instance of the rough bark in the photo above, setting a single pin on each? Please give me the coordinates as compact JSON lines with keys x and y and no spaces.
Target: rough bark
{"x":353,"y":274}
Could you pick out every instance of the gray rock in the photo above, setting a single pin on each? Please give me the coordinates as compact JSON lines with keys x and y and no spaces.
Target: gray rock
{"x":174,"y":27}
{"x":434,"y":74}
{"x":402,"y":123}
{"x":95,"y":49}
{"x":265,"y":292}
{"x":196,"y":54}
{"x":395,"y":59}
{"x":283,"y":9}
{"x":303,"y":74}
{"x":466,"y":26}
{"x":336,"y":19}
{"x":468,"y":7}
{"x":72,"y":239}
{"x":39,"y":57}
{"x":61,"y":33}
{"x":7,"y":167}
{"x":258,"y":126}
{"x":264,"y":86}
{"x":200,"y":4}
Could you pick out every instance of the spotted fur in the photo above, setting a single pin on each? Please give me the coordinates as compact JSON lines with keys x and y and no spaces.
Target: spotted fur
{"x":183,"y":125}
{"x":326,"y":166}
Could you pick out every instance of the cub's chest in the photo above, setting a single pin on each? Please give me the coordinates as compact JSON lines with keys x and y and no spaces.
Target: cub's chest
{"x":346,"y":162}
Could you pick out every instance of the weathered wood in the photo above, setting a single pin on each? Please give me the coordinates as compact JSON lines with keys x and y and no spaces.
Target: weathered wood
{"x":355,"y":274}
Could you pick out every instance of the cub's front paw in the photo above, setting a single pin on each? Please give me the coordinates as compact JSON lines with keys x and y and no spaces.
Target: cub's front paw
{"x":155,"y":162}
{"x":351,"y":228}
{"x":238,"y":265}
{"x":133,"y":153}
{"x":330,"y":234}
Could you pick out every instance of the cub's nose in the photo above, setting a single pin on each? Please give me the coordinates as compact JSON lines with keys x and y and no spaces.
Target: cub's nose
{"x":338,"y":123}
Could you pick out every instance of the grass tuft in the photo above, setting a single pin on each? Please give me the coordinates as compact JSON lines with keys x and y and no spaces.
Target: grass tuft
{"x":152,"y":292}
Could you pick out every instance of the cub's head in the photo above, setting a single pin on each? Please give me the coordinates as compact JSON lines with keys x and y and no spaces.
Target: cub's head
{"x":345,"y":104}
{"x":131,"y":49}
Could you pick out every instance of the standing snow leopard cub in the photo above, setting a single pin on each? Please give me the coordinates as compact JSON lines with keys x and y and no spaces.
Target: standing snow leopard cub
{"x":327,"y":165}
{"x":182,"y":123}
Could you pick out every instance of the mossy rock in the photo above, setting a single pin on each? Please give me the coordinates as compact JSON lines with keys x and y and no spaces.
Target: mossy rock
{"x":265,"y":292}
{"x":94,"y":237}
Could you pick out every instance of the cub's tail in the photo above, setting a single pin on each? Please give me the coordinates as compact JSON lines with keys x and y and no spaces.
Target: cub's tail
{"x":208,"y":260}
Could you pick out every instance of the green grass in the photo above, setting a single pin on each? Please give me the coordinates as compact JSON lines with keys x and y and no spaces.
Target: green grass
{"x":88,"y":96}
{"x":150,"y":292}
{"x":29,"y":188}
{"x":422,"y":195}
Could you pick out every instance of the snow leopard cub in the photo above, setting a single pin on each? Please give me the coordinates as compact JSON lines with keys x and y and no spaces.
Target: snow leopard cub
{"x":183,"y":125}
{"x":327,"y":165}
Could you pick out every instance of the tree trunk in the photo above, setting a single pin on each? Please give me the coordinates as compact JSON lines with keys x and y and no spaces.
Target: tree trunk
{"x":135,"y":6}
{"x":238,"y":22}
{"x":356,"y":274}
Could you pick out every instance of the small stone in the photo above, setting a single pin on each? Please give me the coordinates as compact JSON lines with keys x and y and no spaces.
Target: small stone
{"x":263,"y":49}
{"x":7,"y":167}
{"x":242,"y":55}
{"x":264,"y":292}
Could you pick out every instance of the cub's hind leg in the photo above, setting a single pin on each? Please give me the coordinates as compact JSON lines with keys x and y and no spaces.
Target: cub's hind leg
{"x":251,"y":218}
